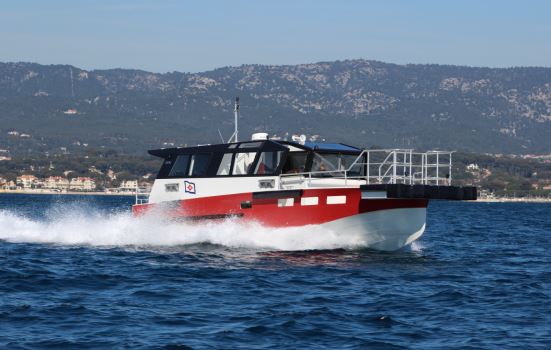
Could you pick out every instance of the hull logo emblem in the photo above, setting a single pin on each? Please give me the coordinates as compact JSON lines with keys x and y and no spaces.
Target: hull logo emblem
{"x":189,"y":187}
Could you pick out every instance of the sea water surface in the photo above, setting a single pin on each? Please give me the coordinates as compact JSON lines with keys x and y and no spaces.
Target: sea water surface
{"x":80,"y":272}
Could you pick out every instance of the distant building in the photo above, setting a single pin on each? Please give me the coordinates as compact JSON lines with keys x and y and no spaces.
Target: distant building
{"x":27,"y":181}
{"x":71,"y":111}
{"x":7,"y":185}
{"x":129,"y":185}
{"x":146,"y":186}
{"x":314,"y":138}
{"x":473,"y":167}
{"x":82,"y":184}
{"x":56,"y":183}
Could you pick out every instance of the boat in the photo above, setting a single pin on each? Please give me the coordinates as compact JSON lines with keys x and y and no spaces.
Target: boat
{"x":379,"y":196}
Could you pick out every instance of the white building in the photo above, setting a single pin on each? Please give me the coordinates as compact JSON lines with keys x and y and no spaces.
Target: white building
{"x":27,"y":181}
{"x":82,"y":184}
{"x":129,"y":185}
{"x":7,"y":185}
{"x":71,"y":111}
{"x":56,"y":183}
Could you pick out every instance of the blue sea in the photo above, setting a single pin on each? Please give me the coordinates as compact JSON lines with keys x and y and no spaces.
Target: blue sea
{"x":80,"y":272}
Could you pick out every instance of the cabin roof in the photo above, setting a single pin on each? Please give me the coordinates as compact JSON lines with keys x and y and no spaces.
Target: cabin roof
{"x":330,"y":147}
{"x":253,"y":146}
{"x":245,"y":146}
{"x":322,"y":146}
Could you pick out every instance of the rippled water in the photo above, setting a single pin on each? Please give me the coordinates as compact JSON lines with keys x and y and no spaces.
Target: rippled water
{"x":80,"y":272}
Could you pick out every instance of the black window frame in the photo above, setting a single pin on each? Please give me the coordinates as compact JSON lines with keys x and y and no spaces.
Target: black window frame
{"x":209,"y":163}
{"x":216,"y":154}
{"x":175,"y":161}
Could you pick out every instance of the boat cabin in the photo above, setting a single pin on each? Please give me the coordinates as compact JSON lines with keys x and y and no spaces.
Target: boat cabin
{"x":256,"y":158}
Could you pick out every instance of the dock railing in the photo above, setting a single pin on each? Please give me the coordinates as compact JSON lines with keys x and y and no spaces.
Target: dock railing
{"x":386,"y":166}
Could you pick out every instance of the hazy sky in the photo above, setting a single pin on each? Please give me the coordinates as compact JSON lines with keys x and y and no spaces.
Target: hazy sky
{"x":192,"y":36}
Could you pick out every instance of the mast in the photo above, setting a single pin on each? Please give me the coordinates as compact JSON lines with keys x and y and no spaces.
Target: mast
{"x":236,"y":115}
{"x":234,"y":137}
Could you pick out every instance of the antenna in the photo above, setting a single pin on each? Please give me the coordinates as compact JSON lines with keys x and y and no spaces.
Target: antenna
{"x":236,"y":113}
{"x":221,"y":138}
{"x":233,"y":137}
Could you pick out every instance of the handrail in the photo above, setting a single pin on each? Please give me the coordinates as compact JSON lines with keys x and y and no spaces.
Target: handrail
{"x":403,"y":166}
{"x":383,"y":163}
{"x":142,"y":195}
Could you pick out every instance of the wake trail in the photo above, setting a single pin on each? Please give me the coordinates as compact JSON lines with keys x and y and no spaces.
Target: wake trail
{"x":91,"y":227}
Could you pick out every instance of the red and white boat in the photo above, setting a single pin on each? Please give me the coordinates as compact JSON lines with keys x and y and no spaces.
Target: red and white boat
{"x":378,"y":196}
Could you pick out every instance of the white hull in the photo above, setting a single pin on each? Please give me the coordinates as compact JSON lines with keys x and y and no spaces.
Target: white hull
{"x":386,"y":230}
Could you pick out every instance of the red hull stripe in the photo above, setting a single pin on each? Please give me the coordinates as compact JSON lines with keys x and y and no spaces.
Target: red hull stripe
{"x":272,"y":212}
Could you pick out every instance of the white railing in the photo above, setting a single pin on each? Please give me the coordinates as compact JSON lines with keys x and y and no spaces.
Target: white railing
{"x":142,"y":195}
{"x":385,"y":166}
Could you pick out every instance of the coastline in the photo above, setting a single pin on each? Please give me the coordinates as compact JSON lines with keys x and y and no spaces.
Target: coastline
{"x":70,"y":193}
{"x":513,"y":200}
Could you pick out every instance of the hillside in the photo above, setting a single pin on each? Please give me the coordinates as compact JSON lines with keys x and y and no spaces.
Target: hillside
{"x":43,"y":108}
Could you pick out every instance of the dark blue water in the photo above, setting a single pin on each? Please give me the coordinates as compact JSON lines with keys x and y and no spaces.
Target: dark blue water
{"x":77,"y":272}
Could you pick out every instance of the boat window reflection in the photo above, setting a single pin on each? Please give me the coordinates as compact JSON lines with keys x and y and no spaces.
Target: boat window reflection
{"x":180,"y":167}
{"x":225,"y":165}
{"x":243,"y":162}
{"x":295,"y":163}
{"x":199,"y":164}
{"x":268,"y":163}
{"x":250,"y":145}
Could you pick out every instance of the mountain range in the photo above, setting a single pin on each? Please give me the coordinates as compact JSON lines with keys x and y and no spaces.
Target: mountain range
{"x":44,"y":108}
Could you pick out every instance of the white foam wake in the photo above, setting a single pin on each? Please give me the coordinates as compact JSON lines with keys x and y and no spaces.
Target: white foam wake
{"x":86,"y":226}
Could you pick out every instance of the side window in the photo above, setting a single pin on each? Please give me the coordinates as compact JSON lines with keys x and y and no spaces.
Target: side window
{"x":295,"y":163}
{"x":268,"y":163}
{"x":348,"y":160}
{"x":242,"y":163}
{"x":336,"y":162}
{"x":225,"y":165}
{"x":325,"y":162}
{"x":199,"y":164}
{"x":179,"y":169}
